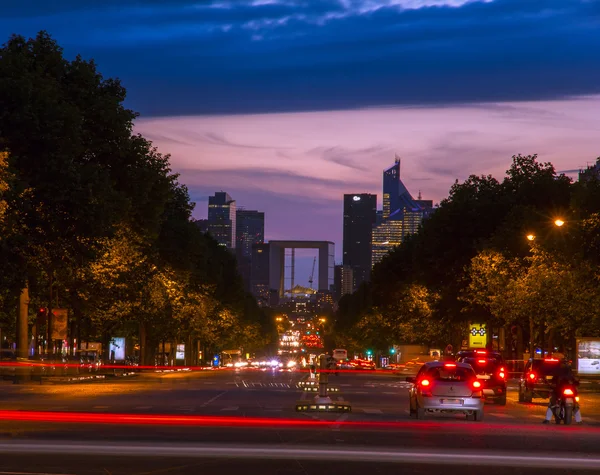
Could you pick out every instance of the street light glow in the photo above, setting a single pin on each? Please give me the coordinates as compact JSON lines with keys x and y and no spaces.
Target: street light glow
{"x":559,"y":222}
{"x":531,"y":237}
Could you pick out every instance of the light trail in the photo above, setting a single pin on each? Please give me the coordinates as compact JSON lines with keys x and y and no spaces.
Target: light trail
{"x":190,"y":420}
{"x":354,"y":454}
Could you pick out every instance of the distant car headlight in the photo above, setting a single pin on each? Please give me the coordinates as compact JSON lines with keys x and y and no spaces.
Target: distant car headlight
{"x":291,"y":364}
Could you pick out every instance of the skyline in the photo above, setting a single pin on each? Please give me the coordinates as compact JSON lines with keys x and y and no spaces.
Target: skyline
{"x":288,"y":105}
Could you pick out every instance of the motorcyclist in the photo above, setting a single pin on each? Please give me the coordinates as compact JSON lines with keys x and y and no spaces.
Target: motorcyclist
{"x":563,"y":379}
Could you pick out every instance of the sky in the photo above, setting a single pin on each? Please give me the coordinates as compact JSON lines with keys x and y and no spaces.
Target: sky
{"x":289,"y":104}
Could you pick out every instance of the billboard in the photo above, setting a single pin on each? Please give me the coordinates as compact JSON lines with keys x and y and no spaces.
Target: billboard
{"x":60,"y":317}
{"x":588,"y":356}
{"x":117,"y":345}
{"x":477,"y":335}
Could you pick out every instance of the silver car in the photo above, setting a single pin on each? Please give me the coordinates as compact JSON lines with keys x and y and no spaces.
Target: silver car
{"x":446,"y":387}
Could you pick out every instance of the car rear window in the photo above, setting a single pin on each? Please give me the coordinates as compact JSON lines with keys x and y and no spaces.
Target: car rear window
{"x":442,"y":373}
{"x":482,"y":364}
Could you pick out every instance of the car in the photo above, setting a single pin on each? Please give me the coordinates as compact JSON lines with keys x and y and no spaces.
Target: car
{"x":441,"y":387}
{"x":491,"y":372}
{"x":536,"y":380}
{"x":481,"y":354}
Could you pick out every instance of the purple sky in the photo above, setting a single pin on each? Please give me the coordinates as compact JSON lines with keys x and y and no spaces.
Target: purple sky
{"x":289,"y":104}
{"x":296,"y":166}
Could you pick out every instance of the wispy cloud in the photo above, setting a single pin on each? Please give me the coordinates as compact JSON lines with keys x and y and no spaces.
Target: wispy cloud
{"x":303,"y":163}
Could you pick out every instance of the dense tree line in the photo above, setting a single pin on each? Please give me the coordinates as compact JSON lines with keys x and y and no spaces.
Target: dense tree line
{"x":472,"y":261}
{"x":92,"y":218}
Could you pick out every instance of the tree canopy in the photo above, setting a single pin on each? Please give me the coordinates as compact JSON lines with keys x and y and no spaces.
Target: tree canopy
{"x":94,"y":220}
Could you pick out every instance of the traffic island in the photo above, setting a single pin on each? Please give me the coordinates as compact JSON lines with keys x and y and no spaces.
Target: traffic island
{"x":322,"y":402}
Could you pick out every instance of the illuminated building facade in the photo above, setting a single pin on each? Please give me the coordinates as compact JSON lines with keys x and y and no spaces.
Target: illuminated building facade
{"x":402,"y":215}
{"x":385,"y":237}
{"x":222,"y":219}
{"x":360,"y":214}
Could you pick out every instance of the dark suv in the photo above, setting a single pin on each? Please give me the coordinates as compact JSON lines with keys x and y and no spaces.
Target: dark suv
{"x":490,"y":369}
{"x":536,"y":380}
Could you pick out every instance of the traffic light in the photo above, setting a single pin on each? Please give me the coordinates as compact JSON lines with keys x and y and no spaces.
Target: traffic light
{"x":369,"y":352}
{"x":392,"y":351}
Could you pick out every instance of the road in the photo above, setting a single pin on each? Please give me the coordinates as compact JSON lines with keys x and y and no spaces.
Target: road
{"x":245,"y":422}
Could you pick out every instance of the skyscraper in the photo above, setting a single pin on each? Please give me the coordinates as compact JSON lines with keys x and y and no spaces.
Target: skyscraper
{"x":402,"y":214}
{"x":222,"y":219}
{"x":344,"y":281}
{"x":360,"y":214}
{"x":259,"y":276}
{"x":249,"y":230}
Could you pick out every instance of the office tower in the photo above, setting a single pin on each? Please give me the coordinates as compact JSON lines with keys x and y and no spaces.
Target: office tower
{"x":221,"y":219}
{"x":259,"y":274}
{"x":249,"y":230}
{"x":402,"y":214}
{"x":385,"y":237}
{"x":360,"y":214}
{"x":344,"y":281}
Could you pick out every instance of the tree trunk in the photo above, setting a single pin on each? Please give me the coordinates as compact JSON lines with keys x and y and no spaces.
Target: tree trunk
{"x":23,"y":324}
{"x":49,"y":341}
{"x":143,"y":344}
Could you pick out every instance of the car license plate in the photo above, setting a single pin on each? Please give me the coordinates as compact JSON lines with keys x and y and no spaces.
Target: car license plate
{"x":451,"y":401}
{"x":549,"y":377}
{"x":483,"y":376}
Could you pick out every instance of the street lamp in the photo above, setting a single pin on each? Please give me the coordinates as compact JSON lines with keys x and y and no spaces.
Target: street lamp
{"x":531,"y":237}
{"x":558,"y":222}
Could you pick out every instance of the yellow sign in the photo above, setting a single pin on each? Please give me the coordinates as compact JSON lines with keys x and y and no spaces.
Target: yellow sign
{"x":477,"y":335}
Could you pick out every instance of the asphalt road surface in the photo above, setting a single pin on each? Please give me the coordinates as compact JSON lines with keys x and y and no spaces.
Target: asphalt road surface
{"x":245,"y":422}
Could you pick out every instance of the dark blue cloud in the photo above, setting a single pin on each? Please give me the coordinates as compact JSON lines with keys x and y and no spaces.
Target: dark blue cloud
{"x":190,"y":57}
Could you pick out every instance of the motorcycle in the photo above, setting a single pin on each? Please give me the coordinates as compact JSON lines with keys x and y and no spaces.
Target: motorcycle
{"x":566,"y":405}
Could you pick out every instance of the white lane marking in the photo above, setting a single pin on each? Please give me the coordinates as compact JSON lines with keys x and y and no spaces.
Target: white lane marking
{"x":345,"y":385}
{"x":209,"y":382}
{"x":231,"y":408}
{"x":262,"y":452}
{"x":185,"y":408}
{"x":213,"y":399}
{"x":390,"y":393}
{"x":372,"y":411}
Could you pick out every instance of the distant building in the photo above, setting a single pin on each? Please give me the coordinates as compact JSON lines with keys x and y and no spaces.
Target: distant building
{"x":344,"y":281}
{"x":259,"y":274}
{"x":360,"y":214}
{"x":385,"y":237}
{"x":222,"y":219}
{"x":202,"y":225}
{"x":324,"y":301}
{"x":249,"y":230}
{"x":592,"y":171}
{"x":402,"y":214}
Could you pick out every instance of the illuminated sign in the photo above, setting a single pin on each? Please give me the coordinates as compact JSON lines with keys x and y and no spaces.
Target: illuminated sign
{"x":477,"y":335}
{"x":588,"y":356}
{"x":356,"y":198}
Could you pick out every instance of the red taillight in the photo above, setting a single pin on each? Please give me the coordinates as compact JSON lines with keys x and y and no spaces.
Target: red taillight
{"x":482,"y":361}
{"x":552,"y":360}
{"x":501,"y":369}
{"x":425,"y":382}
{"x":476,"y":384}
{"x":501,"y":374}
{"x":531,"y":376}
{"x":568,"y":392}
{"x":450,"y":365}
{"x":481,"y":352}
